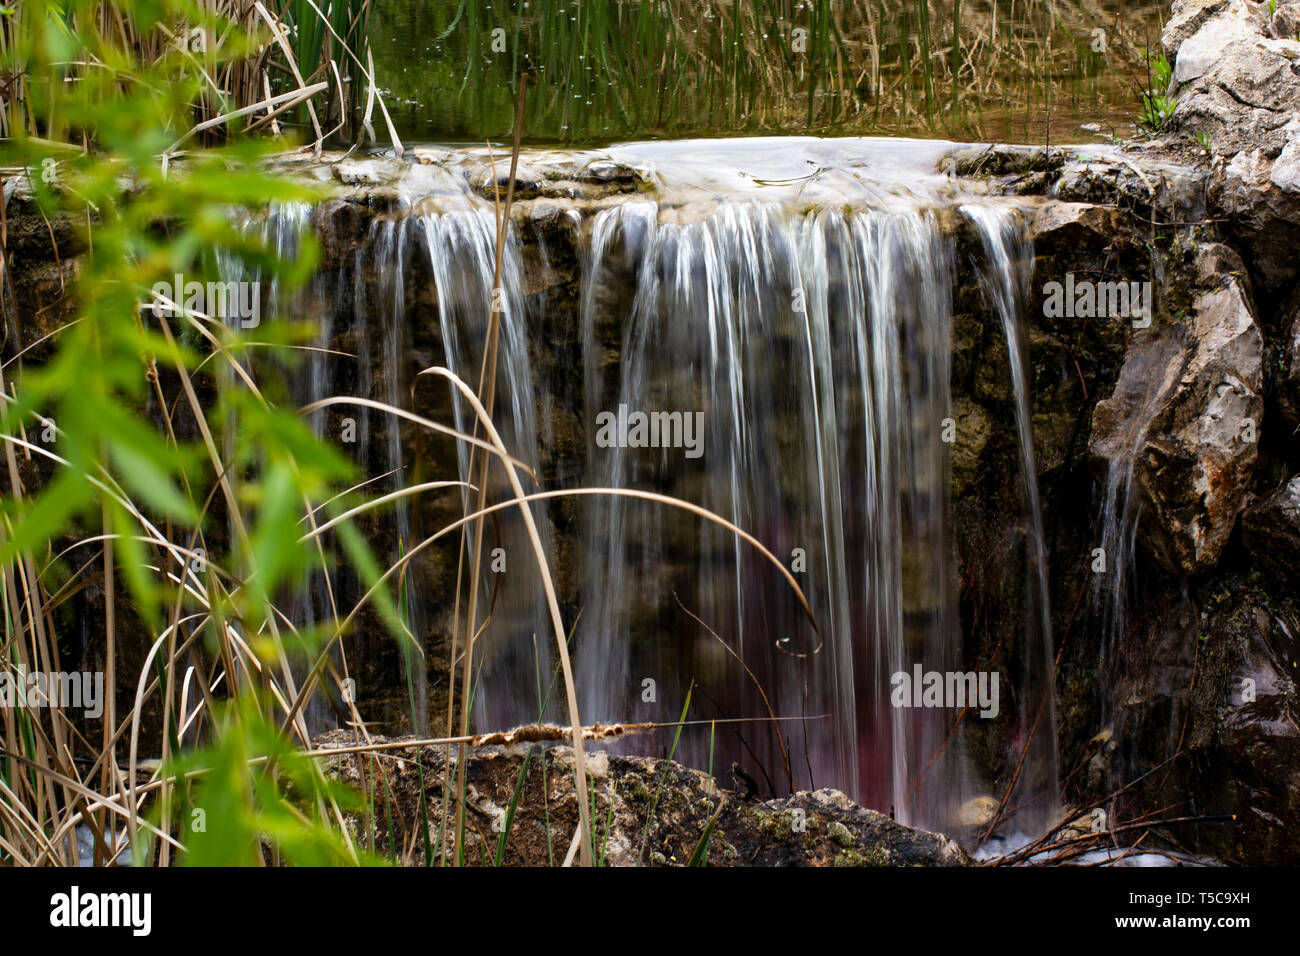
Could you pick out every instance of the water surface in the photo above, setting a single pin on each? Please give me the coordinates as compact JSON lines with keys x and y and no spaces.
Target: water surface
{"x":610,"y":70}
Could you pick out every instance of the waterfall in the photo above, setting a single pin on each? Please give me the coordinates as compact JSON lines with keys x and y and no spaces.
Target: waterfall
{"x":1149,"y":371}
{"x":1004,"y":276}
{"x":389,"y":243}
{"x":789,"y":366}
{"x":514,"y":650}
{"x":817,"y":348}
{"x":306,"y":379}
{"x":719,"y":314}
{"x":434,"y":270}
{"x":312,"y":607}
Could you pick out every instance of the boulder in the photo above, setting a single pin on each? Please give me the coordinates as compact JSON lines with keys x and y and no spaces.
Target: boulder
{"x":648,"y":812}
{"x":1188,"y":18}
{"x":1236,"y":79}
{"x":1285,"y":174}
{"x":1236,"y":88}
{"x":1262,"y":216}
{"x":1285,"y":22}
{"x":1186,"y":411}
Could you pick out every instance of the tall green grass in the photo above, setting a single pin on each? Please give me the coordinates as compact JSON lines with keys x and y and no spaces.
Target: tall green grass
{"x":181,"y":542}
{"x":261,"y":64}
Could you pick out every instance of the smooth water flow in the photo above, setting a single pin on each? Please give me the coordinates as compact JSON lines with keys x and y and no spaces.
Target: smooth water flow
{"x":749,"y":344}
{"x":816,"y":348}
{"x":447,"y":257}
{"x":515,"y":649}
{"x":1149,"y":372}
{"x":283,"y":230}
{"x":1004,"y":276}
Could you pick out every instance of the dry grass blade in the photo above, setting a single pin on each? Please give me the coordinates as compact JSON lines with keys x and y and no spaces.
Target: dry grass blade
{"x":552,"y":603}
{"x":422,"y":422}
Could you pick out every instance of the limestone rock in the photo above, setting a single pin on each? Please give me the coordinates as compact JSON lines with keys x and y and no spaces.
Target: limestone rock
{"x":367,"y":172}
{"x":1189,"y":404}
{"x":1237,"y":85}
{"x":1263,"y":215}
{"x":490,"y":177}
{"x":1237,"y":89}
{"x":1054,"y":221}
{"x":1187,"y":20}
{"x":1286,"y":170}
{"x":648,"y":812}
{"x":1236,"y":81}
{"x":1285,"y":22}
{"x":1142,"y":180}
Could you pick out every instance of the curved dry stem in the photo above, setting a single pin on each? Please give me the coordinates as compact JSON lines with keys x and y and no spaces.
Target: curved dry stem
{"x":384,"y":499}
{"x":135,"y":716}
{"x":552,"y":601}
{"x":423,"y":422}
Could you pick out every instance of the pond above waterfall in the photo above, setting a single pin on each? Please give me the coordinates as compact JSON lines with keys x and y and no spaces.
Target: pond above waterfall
{"x":604,"y":71}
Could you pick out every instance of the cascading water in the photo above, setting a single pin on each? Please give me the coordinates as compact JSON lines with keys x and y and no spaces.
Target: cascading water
{"x":719,"y":314}
{"x":1004,"y":276}
{"x":898,"y":313}
{"x":447,"y":255}
{"x":515,"y":648}
{"x":1150,"y":371}
{"x":817,"y":349}
{"x":389,"y":247}
{"x":794,"y":357}
{"x":308,"y":379}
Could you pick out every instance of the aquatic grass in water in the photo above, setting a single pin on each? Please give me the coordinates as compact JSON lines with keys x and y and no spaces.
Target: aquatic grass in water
{"x":605,"y":70}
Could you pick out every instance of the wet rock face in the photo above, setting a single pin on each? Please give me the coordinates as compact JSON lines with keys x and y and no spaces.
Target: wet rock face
{"x":1272,"y":533}
{"x":1214,"y":682}
{"x":1261,"y":732}
{"x":1289,"y":368}
{"x":647,"y":812}
{"x":1189,"y":405}
{"x":1159,"y":182}
{"x":1172,"y":697}
{"x":341,"y":227}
